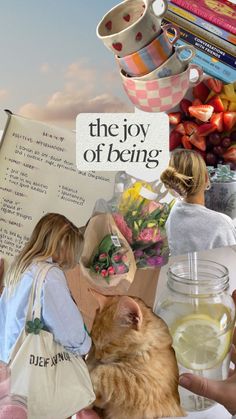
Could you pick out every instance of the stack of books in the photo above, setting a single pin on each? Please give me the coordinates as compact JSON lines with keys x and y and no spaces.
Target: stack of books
{"x":209,"y":25}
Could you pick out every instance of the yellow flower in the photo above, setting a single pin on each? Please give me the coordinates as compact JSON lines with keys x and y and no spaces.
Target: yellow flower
{"x":131,"y":197}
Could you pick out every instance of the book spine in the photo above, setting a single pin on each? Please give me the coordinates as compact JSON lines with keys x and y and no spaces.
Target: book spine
{"x":199,"y":43}
{"x":202,"y":23}
{"x":211,"y":17}
{"x":203,"y":33}
{"x":215,"y":69}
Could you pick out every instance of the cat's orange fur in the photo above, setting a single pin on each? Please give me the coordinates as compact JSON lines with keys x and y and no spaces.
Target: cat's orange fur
{"x":132,"y":364}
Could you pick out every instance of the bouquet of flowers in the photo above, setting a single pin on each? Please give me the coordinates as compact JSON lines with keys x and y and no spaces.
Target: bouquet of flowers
{"x":141,"y":219}
{"x":109,"y":259}
{"x":107,"y":263}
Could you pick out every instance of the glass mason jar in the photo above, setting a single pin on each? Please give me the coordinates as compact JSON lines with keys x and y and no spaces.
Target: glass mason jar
{"x":200,"y":314}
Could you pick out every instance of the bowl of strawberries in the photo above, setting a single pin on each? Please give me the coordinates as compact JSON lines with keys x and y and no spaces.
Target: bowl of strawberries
{"x":206,"y":122}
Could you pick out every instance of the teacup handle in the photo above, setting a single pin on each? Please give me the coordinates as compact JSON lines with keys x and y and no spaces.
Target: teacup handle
{"x":165,"y":3}
{"x":185,"y":48}
{"x":199,"y":76}
{"x":149,"y":3}
{"x":176,"y":31}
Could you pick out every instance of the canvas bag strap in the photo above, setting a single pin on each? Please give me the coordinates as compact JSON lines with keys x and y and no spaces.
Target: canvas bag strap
{"x":43,"y":268}
{"x":39,"y":287}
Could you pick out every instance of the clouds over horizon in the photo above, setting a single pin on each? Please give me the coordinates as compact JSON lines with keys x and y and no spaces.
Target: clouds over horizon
{"x":80,"y":93}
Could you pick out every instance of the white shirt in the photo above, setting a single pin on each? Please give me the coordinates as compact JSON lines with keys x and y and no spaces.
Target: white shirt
{"x":60,"y":314}
{"x":193,"y":227}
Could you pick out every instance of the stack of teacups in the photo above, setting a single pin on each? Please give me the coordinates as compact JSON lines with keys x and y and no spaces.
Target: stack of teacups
{"x":155,"y":74}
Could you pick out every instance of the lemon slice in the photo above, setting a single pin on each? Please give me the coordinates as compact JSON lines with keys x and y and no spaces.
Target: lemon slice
{"x":199,"y":342}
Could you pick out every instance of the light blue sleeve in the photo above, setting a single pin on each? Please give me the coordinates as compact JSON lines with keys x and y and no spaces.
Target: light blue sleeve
{"x":61,"y":315}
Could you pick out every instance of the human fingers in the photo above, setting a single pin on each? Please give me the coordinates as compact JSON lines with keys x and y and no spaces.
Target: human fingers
{"x":211,"y":389}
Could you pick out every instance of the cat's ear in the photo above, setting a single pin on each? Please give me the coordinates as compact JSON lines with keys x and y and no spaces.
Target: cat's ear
{"x":128,"y":313}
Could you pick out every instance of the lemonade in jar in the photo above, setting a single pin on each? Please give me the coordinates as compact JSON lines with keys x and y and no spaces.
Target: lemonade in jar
{"x":200,"y":314}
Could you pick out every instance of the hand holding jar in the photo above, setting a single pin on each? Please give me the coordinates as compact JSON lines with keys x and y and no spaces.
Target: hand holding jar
{"x":222,"y":392}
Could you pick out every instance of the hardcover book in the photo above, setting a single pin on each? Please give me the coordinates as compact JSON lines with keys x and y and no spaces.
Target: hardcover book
{"x":198,"y":37}
{"x":212,"y":29}
{"x":220,"y":12}
{"x":212,"y":66}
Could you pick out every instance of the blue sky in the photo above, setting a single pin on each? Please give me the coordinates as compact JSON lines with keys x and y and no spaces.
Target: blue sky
{"x":52,"y":62}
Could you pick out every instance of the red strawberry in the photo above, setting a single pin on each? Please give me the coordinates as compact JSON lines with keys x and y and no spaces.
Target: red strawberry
{"x":229,"y":119}
{"x":201,"y":112}
{"x":117,"y":45}
{"x":190,"y":127}
{"x":175,"y":118}
{"x":217,"y":119}
{"x":108,"y":25}
{"x":126,"y":18}
{"x":206,"y":129}
{"x":197,"y":102}
{"x":216,"y":103}
{"x":230,"y":154}
{"x":214,"y":84}
{"x":201,"y":91}
{"x":186,"y":143}
{"x":184,"y":105}
{"x":198,"y":141}
{"x":180,"y":128}
{"x":175,"y":140}
{"x":139,"y":36}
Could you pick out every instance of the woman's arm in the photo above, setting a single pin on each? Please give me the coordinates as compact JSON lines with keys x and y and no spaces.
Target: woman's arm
{"x":61,"y":315}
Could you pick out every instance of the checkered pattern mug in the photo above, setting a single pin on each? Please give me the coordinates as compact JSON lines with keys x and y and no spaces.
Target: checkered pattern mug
{"x":163,"y":94}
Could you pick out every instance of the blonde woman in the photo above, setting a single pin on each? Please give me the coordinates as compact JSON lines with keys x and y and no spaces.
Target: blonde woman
{"x":191,"y":226}
{"x":54,"y":240}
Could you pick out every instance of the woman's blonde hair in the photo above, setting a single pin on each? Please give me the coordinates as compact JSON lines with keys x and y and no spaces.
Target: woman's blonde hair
{"x":186,"y":173}
{"x":53,"y":236}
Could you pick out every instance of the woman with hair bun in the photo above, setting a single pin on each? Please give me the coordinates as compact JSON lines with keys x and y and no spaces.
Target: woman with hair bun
{"x":191,"y":226}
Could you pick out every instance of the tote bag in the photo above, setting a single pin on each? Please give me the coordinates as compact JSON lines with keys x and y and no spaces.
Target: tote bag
{"x":55,"y":382}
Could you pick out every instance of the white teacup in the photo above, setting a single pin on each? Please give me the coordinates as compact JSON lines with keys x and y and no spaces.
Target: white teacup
{"x":174,"y":65}
{"x":131,"y":25}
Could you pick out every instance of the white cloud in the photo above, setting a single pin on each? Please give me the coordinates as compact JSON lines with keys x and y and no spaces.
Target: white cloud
{"x":78,"y":95}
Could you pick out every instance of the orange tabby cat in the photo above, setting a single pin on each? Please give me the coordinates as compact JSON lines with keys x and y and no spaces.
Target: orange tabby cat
{"x":132,"y":364}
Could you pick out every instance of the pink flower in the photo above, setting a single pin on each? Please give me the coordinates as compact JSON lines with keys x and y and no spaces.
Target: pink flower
{"x":121,"y":269}
{"x":117,"y":257}
{"x":97,"y":268}
{"x":123,"y":227}
{"x":104,"y":273}
{"x":102,"y":256}
{"x":149,"y":235}
{"x":152,"y":206}
{"x":111,"y":270}
{"x":138,"y":253}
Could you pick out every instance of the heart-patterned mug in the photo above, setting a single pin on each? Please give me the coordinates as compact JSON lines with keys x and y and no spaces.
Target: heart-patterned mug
{"x":175,"y":64}
{"x":131,"y":25}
